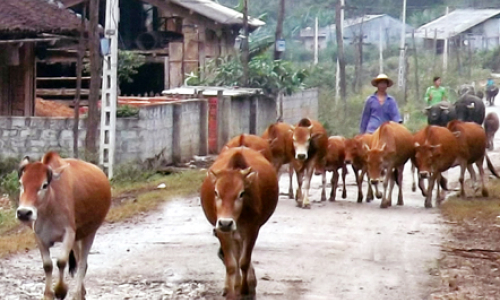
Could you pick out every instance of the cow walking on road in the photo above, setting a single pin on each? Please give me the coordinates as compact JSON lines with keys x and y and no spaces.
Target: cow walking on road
{"x":63,"y":200}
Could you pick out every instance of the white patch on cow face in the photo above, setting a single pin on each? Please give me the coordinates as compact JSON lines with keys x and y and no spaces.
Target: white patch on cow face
{"x":301,"y":149}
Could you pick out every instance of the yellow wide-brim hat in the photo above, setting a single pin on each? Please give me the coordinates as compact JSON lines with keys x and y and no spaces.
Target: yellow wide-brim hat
{"x":380,"y":77}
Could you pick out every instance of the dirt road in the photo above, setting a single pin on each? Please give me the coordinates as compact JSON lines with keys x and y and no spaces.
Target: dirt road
{"x":341,"y":250}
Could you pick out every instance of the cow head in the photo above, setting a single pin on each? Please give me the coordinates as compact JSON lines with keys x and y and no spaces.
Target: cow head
{"x":438,"y":114}
{"x":302,"y":137}
{"x":354,"y":149}
{"x":377,"y":163}
{"x":231,"y":188}
{"x":426,"y":156}
{"x":34,"y":184}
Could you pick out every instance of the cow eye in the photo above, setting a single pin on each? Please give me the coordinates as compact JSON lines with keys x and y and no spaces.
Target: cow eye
{"x":242,"y":194}
{"x":45,"y":185}
{"x":216,"y":194}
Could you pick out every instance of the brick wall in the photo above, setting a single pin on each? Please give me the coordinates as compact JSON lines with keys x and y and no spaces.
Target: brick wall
{"x":301,"y":105}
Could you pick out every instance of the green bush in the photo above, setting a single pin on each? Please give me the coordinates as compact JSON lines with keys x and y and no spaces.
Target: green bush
{"x":126,"y":111}
{"x":9,"y":184}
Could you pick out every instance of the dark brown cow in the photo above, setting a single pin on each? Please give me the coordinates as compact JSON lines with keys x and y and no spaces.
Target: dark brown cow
{"x":471,"y":140}
{"x":356,"y":155}
{"x":491,"y":125}
{"x":392,"y":146}
{"x":279,"y":137}
{"x":251,"y":141}
{"x":310,"y":142}
{"x":335,"y":160}
{"x":238,"y":196}
{"x":436,"y":154}
{"x":63,"y":200}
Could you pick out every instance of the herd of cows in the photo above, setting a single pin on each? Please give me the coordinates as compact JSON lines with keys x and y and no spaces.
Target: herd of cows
{"x":240,"y":192}
{"x":66,"y":200}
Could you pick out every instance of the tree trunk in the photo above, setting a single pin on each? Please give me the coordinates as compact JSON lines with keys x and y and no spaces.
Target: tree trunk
{"x":245,"y":49}
{"x":95,"y":83}
{"x":79,"y":67}
{"x":279,"y":28}
{"x":340,"y":54}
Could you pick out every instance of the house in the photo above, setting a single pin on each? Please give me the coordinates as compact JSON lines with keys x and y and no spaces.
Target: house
{"x":26,"y":28}
{"x":176,"y":36}
{"x":307,"y":38}
{"x":475,"y":28}
{"x":374,"y":28}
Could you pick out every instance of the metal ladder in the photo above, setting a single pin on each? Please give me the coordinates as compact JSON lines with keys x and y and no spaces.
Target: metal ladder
{"x":109,"y":96}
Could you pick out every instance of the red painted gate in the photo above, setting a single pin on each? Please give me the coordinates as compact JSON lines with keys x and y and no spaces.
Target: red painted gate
{"x":212,"y":125}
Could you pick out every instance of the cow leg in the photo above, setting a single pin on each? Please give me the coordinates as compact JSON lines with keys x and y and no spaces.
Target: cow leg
{"x":428,"y":198}
{"x":249,"y":280}
{"x":421,"y":186}
{"x":472,"y":174}
{"x":61,"y":289}
{"x":387,"y":199}
{"x":413,"y":182}
{"x":298,"y":193}
{"x":84,"y":246}
{"x":48,"y":294}
{"x":344,"y":173}
{"x":335,"y":183}
{"x":463,"y":166}
{"x":369,"y":193}
{"x":306,"y":184}
{"x":479,"y":164}
{"x":290,"y":186}
{"x":233,"y":278}
{"x":323,"y":186}
{"x":399,"y":175}
{"x":360,"y":191}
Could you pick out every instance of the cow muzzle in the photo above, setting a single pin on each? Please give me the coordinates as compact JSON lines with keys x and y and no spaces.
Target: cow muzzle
{"x":225,"y":225}
{"x":374,"y":181}
{"x":26,"y":214}
{"x":424,"y":174}
{"x":348,"y":161}
{"x":301,"y":156}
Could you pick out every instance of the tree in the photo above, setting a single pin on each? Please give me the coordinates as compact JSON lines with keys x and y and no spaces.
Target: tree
{"x":340,"y":53}
{"x":95,"y":83}
{"x":279,"y":28}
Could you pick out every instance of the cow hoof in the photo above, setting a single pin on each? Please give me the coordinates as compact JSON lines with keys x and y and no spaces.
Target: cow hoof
{"x":379,"y":195}
{"x":413,"y":188}
{"x":306,"y":206}
{"x":48,"y":296}
{"x":344,"y":195}
{"x":360,"y":199}
{"x":323,"y":198}
{"x":485,"y":192}
{"x":332,"y":199}
{"x":61,"y":290}
{"x":384,"y":204}
{"x":290,"y":196}
{"x":299,"y":204}
{"x":428,"y":205}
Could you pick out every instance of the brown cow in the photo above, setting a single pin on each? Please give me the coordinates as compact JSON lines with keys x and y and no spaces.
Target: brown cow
{"x":254,"y":142}
{"x":238,"y":196}
{"x":335,"y":160}
{"x":392,"y":146}
{"x":471,"y":140}
{"x":356,"y":155}
{"x":491,"y":125}
{"x":310,"y":142}
{"x":279,"y":137}
{"x":436,"y":154}
{"x":63,"y":200}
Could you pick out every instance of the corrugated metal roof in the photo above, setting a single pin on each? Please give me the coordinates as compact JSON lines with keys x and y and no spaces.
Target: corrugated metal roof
{"x":212,"y":91}
{"x":217,"y":12}
{"x":359,"y":20}
{"x":455,"y":23}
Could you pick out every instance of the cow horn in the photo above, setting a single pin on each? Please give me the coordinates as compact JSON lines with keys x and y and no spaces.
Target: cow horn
{"x":366,"y":146}
{"x":435,"y":146}
{"x":310,"y":127}
{"x":417,"y":145}
{"x":246,"y":171}
{"x":56,"y":174}
{"x":471,"y":105}
{"x":383,"y":147}
{"x":428,"y":108}
{"x":24,"y":162}
{"x":457,"y":133}
{"x":212,"y":175}
{"x":292,"y":127}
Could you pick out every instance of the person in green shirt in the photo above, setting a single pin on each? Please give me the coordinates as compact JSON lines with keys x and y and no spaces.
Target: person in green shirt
{"x":436,"y":93}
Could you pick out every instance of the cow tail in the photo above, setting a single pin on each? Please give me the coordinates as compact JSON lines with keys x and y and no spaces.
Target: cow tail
{"x":72,"y":263}
{"x":490,"y":166}
{"x":443,"y":182}
{"x":396,"y":179}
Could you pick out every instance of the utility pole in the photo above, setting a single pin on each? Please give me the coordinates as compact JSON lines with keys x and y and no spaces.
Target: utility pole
{"x":245,"y":48}
{"x":316,"y":41}
{"x":339,"y":24}
{"x":109,"y":97}
{"x":380,"y":49}
{"x":79,"y":67}
{"x":445,"y":50}
{"x":402,"y":62}
{"x":279,"y":29}
{"x":95,"y":83}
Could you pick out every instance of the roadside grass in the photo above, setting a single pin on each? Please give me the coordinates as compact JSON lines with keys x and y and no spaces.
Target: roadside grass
{"x":129,"y":199}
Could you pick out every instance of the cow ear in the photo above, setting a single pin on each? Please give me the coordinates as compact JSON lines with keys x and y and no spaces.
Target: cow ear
{"x":212,"y":175}
{"x":272,"y":142}
{"x":471,"y":106}
{"x":22,"y":165}
{"x":56,"y":173}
